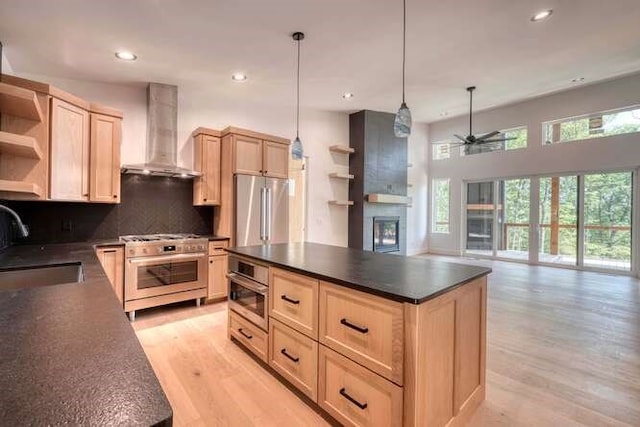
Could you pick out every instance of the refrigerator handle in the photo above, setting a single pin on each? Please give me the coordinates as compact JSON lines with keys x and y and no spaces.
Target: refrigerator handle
{"x":263,"y":215}
{"x":268,"y":214}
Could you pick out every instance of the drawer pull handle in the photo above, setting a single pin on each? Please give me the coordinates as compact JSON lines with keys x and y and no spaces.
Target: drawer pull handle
{"x":344,"y":393}
{"x":292,"y":301}
{"x":290,"y":357}
{"x":246,"y":335}
{"x":360,"y":329}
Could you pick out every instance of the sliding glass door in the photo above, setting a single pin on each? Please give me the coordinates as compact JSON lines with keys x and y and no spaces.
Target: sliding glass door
{"x":558,"y":220}
{"x":582,"y":220}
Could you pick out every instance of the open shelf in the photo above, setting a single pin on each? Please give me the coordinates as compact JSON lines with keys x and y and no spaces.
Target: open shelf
{"x":19,"y":145}
{"x":342,"y":149}
{"x":20,"y":187}
{"x":19,"y":102}
{"x":341,"y":202}
{"x":341,"y":175}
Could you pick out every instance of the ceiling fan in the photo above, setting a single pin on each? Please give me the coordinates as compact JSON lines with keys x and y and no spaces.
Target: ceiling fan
{"x":471,"y":139}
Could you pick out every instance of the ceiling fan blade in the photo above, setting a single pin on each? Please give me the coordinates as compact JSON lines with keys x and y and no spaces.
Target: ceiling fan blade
{"x":461,"y":138}
{"x":488,"y":135}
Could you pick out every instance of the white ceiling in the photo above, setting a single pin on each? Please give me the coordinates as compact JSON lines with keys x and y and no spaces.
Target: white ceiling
{"x":351,"y":45}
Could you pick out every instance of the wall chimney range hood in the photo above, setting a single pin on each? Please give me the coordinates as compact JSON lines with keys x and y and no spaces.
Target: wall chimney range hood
{"x":162,"y":135}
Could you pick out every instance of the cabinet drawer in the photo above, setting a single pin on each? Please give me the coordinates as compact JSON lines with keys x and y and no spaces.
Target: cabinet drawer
{"x":295,"y":357}
{"x":217,"y":247}
{"x":254,"y":338}
{"x":294,"y":301}
{"x":354,"y":395}
{"x":365,"y":328}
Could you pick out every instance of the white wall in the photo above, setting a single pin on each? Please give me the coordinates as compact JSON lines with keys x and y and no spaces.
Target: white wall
{"x":611,"y":153}
{"x":318,"y":130}
{"x":417,"y":176}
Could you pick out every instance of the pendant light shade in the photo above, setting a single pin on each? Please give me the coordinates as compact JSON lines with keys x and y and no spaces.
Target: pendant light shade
{"x":402,"y":122}
{"x":297,"y":151}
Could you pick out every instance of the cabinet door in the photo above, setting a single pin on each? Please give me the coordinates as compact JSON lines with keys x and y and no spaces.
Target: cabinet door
{"x":217,"y":287}
{"x":69,"y":152}
{"x":275,"y":159}
{"x":247,"y":155}
{"x":206,"y":190}
{"x":104,"y":181}
{"x":112,"y":261}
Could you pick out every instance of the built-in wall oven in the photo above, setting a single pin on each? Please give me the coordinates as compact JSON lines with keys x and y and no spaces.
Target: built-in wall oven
{"x":249,"y":290}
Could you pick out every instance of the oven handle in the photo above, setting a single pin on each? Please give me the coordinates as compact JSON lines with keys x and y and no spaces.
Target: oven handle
{"x":255,"y":287}
{"x":173,"y":257}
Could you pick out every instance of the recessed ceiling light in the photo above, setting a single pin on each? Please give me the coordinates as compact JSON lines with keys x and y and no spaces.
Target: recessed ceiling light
{"x":146,"y":171}
{"x":184,"y":175}
{"x":347,"y":95}
{"x":444,"y":113}
{"x":126,"y":56}
{"x":577,"y":80}
{"x":238,"y":77}
{"x":543,"y":14}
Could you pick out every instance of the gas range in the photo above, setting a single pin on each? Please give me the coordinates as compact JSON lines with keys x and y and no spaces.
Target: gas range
{"x":163,"y":244}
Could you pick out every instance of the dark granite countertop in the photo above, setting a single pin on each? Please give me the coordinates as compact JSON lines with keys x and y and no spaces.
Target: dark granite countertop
{"x":68,"y":354}
{"x":404,"y":279}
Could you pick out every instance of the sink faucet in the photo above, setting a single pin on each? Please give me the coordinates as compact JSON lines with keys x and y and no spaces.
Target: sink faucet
{"x":24,"y":231}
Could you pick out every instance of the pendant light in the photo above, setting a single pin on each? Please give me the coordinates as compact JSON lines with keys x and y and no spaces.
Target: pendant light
{"x":296,"y":149}
{"x":402,"y":122}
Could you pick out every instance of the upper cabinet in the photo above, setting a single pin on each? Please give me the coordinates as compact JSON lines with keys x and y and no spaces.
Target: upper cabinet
{"x":258,"y":154}
{"x":206,"y":149}
{"x":104,"y":166}
{"x":58,"y":146}
{"x":69,"y":152}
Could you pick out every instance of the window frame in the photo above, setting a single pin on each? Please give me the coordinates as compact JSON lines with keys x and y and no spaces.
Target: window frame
{"x":435,"y":205}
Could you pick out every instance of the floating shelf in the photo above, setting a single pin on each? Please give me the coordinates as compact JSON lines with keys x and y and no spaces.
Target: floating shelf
{"x":19,"y":102}
{"x":341,"y":202}
{"x":341,"y":175}
{"x":342,"y":149}
{"x":390,"y":199}
{"x":19,"y":145}
{"x":20,"y":187}
{"x":409,"y":165}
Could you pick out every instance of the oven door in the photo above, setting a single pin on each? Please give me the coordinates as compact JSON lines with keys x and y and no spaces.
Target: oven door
{"x":249,"y":299}
{"x":165,"y":274}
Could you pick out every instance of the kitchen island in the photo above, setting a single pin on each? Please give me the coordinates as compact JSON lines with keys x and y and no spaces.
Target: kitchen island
{"x":373,"y":339}
{"x":68,"y":355}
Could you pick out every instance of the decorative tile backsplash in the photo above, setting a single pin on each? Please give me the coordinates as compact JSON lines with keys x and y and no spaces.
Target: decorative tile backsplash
{"x":148,"y":205}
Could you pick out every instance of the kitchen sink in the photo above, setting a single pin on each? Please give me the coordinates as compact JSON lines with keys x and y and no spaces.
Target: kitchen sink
{"x":40,"y":275}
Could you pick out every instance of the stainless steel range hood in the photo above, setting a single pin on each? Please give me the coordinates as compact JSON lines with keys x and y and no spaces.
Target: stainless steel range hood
{"x":162,"y":135}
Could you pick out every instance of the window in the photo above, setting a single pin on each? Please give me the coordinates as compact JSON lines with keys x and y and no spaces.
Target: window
{"x":516,"y":139}
{"x":597,"y":125}
{"x":441,"y":150}
{"x":440,"y":206}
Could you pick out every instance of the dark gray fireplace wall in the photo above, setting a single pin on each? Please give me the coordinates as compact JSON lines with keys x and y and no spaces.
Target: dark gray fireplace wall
{"x":379,"y":165}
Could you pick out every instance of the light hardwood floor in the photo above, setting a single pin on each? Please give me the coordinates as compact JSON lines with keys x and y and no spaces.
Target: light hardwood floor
{"x":563,"y":350}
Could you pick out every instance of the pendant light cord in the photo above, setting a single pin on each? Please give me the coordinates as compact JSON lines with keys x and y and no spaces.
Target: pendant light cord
{"x":404,"y":42}
{"x":298,"y":95}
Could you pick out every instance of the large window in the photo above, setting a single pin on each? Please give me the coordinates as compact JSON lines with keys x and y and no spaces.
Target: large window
{"x":441,"y":200}
{"x":441,"y":150}
{"x":583,"y":220}
{"x":591,"y":126}
{"x":515,"y":139}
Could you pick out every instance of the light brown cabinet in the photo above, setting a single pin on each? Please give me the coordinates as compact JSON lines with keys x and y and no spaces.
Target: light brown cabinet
{"x":253,"y":156}
{"x":295,"y":357}
{"x":69,"y":152}
{"x":356,"y":396}
{"x":251,"y":336}
{"x":112,"y":261}
{"x":206,"y":188}
{"x":104,"y":180}
{"x":293,"y":300}
{"x":218,"y":267}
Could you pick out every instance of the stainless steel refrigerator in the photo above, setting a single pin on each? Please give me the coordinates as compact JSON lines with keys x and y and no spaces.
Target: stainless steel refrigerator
{"x":262,"y":210}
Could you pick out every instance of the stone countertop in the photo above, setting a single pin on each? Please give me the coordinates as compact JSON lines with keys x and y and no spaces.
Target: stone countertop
{"x":404,"y":279}
{"x":68,"y":354}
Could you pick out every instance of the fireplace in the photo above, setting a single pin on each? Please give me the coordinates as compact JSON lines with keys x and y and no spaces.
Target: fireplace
{"x":386,"y":233}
